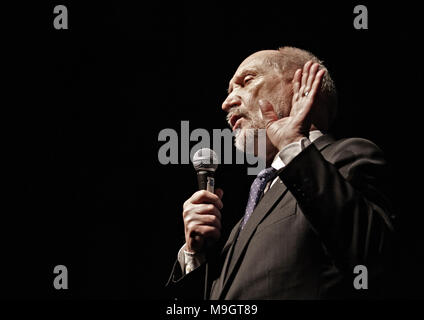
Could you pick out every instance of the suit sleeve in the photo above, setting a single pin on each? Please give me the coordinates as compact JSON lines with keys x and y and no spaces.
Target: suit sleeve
{"x":344,"y":200}
{"x":186,"y":287}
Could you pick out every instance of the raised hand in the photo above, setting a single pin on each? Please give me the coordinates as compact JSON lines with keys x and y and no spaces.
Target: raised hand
{"x":306,"y":84}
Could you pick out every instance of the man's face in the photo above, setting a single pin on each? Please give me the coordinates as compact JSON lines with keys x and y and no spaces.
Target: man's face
{"x":255,"y":79}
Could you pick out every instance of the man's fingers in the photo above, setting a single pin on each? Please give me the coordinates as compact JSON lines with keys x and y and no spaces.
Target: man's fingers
{"x":305,"y":74}
{"x":317,"y":83}
{"x":302,"y":110}
{"x":268,"y":113}
{"x":311,"y":77}
{"x":199,"y":213}
{"x":204,"y":196}
{"x":296,"y":82}
{"x":211,"y":220}
{"x":207,"y":209}
{"x":204,"y":217}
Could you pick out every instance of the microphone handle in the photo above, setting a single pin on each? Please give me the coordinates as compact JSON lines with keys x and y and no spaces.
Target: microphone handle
{"x":206,"y":180}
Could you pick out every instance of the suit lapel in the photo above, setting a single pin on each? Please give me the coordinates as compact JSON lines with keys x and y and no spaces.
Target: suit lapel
{"x":264,"y":206}
{"x":231,"y":238}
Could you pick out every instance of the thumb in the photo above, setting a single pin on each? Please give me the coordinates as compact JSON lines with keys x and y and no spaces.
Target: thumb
{"x":267,"y":111}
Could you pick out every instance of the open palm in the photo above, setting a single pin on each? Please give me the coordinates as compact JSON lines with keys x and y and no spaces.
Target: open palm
{"x":306,"y":84}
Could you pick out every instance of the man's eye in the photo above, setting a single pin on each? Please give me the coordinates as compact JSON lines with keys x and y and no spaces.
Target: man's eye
{"x":247,"y":79}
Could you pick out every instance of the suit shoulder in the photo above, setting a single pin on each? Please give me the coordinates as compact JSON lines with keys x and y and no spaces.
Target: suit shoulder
{"x":351,"y":149}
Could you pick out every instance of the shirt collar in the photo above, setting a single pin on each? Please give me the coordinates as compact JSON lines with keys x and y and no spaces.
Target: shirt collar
{"x":277,"y":163}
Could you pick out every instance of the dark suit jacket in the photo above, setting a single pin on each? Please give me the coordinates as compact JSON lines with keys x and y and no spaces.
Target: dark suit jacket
{"x":327,"y":213}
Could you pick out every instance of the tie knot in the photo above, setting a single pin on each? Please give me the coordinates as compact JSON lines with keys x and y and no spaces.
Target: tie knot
{"x":267,"y":174}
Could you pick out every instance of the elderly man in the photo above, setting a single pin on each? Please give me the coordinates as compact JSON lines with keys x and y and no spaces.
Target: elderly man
{"x":315,"y":213}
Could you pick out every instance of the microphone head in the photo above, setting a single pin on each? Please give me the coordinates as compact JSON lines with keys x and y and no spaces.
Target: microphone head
{"x":205,"y":159}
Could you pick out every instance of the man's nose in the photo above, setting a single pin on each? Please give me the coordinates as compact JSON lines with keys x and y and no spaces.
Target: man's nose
{"x":230,"y":102}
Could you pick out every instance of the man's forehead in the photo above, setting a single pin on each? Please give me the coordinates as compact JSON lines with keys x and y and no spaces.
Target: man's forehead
{"x":255,"y":61}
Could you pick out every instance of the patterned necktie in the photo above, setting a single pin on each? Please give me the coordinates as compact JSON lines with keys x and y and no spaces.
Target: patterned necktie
{"x":256,"y":190}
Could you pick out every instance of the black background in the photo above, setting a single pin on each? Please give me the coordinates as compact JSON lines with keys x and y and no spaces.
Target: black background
{"x":83,"y":184}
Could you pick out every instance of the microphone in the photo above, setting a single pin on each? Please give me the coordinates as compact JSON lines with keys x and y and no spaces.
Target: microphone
{"x":205,"y":162}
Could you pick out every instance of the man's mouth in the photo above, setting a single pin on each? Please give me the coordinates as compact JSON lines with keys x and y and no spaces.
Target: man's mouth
{"x":235,"y":121}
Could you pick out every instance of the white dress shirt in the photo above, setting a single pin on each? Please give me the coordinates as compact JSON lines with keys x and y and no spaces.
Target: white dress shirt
{"x":190,"y":261}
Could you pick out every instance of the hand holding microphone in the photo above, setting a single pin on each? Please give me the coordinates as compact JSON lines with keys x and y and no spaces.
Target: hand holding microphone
{"x":201,"y":212}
